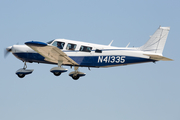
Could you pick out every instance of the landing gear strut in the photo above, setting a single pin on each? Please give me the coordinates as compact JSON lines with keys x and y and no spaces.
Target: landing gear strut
{"x":23,"y":71}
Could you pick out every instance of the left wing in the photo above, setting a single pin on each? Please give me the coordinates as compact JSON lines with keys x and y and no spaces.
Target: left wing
{"x":51,"y":53}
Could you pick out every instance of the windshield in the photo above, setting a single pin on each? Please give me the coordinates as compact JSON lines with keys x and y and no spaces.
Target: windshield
{"x":50,"y":42}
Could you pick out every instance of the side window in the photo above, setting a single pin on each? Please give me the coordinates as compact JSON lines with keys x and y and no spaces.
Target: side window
{"x":71,"y":46}
{"x":60,"y":45}
{"x":85,"y":49}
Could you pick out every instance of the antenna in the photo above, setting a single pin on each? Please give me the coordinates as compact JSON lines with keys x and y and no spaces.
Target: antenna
{"x":110,"y":43}
{"x":127,"y":45}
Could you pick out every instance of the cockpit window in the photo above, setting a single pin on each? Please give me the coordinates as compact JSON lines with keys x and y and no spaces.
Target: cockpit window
{"x":60,"y":45}
{"x":85,"y":49}
{"x":50,"y":42}
{"x":71,"y":46}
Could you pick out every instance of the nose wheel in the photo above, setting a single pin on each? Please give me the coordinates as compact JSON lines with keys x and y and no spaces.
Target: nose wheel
{"x":21,"y":73}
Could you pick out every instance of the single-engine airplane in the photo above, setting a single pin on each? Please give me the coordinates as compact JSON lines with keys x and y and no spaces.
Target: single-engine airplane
{"x":82,"y":54}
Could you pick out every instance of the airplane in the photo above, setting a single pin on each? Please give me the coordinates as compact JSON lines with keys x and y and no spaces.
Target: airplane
{"x":64,"y":52}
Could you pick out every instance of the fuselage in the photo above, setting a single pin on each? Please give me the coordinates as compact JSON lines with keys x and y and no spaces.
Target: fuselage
{"x":85,"y":54}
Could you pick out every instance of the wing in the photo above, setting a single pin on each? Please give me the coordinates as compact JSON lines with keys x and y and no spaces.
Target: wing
{"x":158,"y":57}
{"x":51,"y":53}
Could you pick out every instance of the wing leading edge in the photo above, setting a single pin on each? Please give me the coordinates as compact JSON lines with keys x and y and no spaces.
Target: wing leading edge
{"x":51,"y":53}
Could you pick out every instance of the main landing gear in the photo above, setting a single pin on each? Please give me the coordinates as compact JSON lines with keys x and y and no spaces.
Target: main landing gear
{"x":76,"y":74}
{"x":58,"y":70}
{"x":23,"y":71}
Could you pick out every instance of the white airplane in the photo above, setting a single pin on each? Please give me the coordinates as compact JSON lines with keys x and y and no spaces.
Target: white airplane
{"x":81,"y":54}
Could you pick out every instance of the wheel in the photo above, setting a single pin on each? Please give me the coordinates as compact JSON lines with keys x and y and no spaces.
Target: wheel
{"x":57,"y":73}
{"x":76,"y":77}
{"x":21,"y":75}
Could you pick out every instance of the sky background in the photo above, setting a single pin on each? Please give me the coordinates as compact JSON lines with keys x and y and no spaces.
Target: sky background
{"x":136,"y":92}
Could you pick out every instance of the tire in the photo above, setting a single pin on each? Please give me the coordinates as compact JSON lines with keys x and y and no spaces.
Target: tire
{"x":21,"y":75}
{"x":75,"y":77}
{"x":57,"y":73}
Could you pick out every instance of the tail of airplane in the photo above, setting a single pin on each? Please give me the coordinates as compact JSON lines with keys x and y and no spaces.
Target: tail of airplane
{"x":156,"y":44}
{"x":157,"y":41}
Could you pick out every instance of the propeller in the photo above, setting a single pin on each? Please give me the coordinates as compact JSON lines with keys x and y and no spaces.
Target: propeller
{"x":7,"y":51}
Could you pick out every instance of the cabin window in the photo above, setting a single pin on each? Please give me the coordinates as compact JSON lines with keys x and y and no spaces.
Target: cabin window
{"x":71,"y":46}
{"x":60,"y":45}
{"x":85,"y":49}
{"x":98,"y":51}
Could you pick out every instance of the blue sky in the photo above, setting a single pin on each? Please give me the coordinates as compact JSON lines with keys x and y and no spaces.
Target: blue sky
{"x":144,"y":91}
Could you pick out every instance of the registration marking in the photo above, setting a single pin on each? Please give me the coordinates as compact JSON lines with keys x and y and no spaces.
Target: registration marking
{"x":111,"y":59}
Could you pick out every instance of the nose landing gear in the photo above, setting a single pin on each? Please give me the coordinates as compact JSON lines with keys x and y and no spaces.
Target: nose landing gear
{"x":23,"y":71}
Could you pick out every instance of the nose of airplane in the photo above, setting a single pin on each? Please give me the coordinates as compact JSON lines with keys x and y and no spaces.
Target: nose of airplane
{"x":9,"y":48}
{"x":7,"y":51}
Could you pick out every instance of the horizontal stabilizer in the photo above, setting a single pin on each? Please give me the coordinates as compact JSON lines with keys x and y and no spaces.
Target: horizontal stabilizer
{"x":158,"y":57}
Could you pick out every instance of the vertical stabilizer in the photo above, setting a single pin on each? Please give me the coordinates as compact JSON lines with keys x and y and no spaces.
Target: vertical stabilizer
{"x":157,"y":41}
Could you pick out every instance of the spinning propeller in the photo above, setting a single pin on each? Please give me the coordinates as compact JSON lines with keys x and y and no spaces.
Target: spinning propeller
{"x":7,"y":51}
